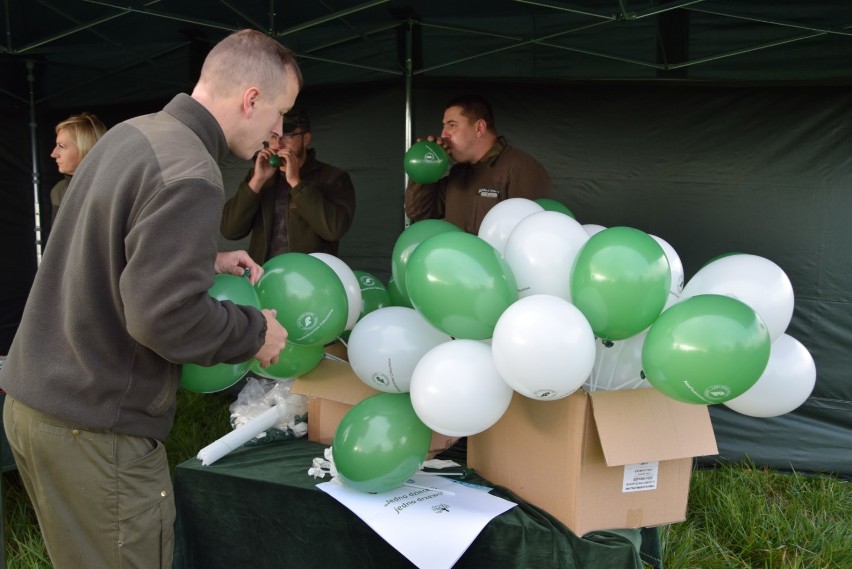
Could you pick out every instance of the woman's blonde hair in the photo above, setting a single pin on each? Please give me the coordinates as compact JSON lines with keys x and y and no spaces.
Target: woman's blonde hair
{"x":85,"y":129}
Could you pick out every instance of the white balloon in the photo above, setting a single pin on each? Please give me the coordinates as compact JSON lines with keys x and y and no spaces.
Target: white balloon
{"x":541,"y":252}
{"x":592,"y":228}
{"x":785,"y":384}
{"x":543,"y":347}
{"x":753,"y":280}
{"x":501,"y":219}
{"x":618,"y":365}
{"x":675,"y":264}
{"x":386,"y":344}
{"x":457,"y":391}
{"x":350,"y":284}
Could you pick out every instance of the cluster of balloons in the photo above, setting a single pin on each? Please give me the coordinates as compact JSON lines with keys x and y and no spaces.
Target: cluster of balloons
{"x":538,"y":304}
{"x":535,"y":303}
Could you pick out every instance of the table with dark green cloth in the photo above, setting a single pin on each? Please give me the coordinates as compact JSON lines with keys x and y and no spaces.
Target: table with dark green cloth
{"x":257,"y":507}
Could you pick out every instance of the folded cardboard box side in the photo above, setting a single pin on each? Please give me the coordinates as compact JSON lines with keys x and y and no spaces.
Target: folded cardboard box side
{"x":333,"y":389}
{"x":602,"y":460}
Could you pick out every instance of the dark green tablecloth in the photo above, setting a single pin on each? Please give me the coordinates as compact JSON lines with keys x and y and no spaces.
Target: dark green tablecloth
{"x":257,"y":507}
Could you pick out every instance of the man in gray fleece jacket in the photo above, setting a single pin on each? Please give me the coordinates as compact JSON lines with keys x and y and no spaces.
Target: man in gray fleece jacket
{"x":120,"y":302}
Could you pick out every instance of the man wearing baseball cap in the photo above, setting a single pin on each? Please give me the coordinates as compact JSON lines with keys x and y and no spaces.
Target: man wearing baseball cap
{"x":290,"y":201}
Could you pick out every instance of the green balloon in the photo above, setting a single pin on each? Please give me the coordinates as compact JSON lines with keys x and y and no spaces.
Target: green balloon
{"x":553,"y":205}
{"x":409,"y":240}
{"x":373,"y":293}
{"x":620,"y":282}
{"x":210,"y":379}
{"x":396,"y":296}
{"x":294,"y":360}
{"x":721,"y":256}
{"x":706,"y":349}
{"x":460,"y":284}
{"x":307,"y":295}
{"x":275,"y":161}
{"x":380,"y":443}
{"x":425,"y":162}
{"x":236,"y":289}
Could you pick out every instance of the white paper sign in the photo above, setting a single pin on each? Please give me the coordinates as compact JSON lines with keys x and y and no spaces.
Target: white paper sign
{"x":432,"y":523}
{"x":640,"y":476}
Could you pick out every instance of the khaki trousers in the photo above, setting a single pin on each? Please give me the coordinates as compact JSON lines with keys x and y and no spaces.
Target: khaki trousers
{"x":103,"y":500}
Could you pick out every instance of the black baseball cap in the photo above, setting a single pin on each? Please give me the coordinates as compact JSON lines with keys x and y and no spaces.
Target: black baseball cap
{"x":297,"y":120}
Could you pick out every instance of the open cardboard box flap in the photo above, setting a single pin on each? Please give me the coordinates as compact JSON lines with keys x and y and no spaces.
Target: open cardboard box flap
{"x":642,"y":425}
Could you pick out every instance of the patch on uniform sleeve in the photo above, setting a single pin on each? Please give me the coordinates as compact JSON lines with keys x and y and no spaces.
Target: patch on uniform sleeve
{"x":489,"y":193}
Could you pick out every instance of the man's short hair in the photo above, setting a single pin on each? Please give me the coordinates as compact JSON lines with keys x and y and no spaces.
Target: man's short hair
{"x":474,"y":108}
{"x":244,"y":58}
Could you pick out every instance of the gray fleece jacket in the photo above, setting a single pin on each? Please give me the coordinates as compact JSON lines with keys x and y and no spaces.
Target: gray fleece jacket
{"x":120,"y":299}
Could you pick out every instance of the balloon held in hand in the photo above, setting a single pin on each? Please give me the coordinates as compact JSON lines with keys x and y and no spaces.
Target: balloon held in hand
{"x":425,"y":162}
{"x":210,"y":379}
{"x":275,"y":161}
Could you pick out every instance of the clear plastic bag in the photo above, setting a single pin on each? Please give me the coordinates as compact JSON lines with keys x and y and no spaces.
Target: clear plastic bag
{"x":258,"y":396}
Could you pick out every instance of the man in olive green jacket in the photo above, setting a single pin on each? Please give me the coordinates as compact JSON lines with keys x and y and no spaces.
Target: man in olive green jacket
{"x":301,"y":205}
{"x":485,"y":169}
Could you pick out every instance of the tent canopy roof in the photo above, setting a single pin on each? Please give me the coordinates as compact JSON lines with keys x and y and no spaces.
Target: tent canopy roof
{"x":86,"y":52}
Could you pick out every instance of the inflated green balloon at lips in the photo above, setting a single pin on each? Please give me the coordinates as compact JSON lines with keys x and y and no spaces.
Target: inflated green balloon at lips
{"x":425,"y":162}
{"x":275,"y":161}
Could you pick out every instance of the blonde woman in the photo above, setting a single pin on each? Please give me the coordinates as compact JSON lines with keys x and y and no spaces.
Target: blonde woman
{"x":75,"y":136}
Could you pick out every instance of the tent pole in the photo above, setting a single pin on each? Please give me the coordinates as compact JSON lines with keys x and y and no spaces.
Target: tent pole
{"x":34,"y":152}
{"x":409,"y":65}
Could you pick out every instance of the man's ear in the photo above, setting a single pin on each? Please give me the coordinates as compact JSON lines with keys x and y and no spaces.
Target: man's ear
{"x":307,"y":137}
{"x":250,"y":98}
{"x":481,"y":127}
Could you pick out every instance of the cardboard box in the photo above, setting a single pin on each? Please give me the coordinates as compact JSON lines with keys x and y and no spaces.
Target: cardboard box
{"x":601,"y":460}
{"x":333,"y":389}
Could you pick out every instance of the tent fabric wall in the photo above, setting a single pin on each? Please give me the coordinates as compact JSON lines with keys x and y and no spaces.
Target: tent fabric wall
{"x":762,"y":170}
{"x":17,"y":236}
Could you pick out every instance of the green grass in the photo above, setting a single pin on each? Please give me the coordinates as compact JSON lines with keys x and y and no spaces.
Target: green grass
{"x":739,"y":516}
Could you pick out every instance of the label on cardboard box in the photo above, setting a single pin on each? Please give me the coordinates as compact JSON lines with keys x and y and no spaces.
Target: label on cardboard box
{"x":640,"y":476}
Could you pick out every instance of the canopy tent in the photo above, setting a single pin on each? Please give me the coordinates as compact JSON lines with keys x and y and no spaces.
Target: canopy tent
{"x":90,"y":52}
{"x":719,"y":126}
